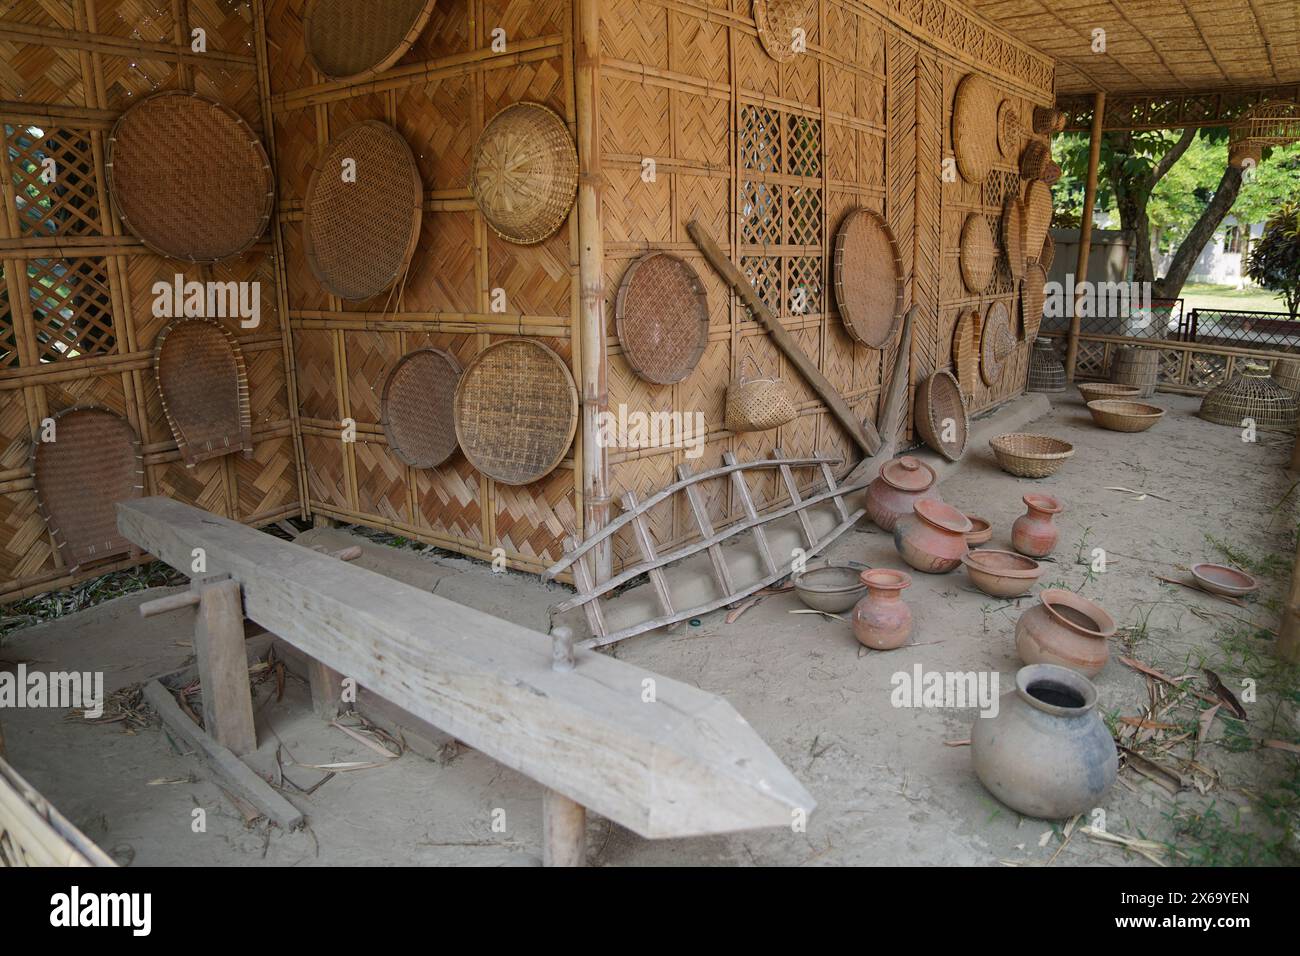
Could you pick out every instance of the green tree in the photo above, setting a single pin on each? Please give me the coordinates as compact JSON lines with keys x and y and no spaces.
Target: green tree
{"x":1275,"y":261}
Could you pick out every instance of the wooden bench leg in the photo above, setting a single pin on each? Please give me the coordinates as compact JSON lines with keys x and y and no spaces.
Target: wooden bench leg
{"x":326,"y":690}
{"x":564,"y":831}
{"x":223,"y":665}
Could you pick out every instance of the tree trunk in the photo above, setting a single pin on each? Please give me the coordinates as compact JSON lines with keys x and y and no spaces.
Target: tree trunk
{"x":1189,"y":250}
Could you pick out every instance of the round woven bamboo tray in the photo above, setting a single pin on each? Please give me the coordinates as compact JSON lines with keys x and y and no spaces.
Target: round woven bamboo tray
{"x":1098,"y":391}
{"x":189,"y":177}
{"x":94,"y":462}
{"x":1048,"y":254}
{"x":1033,"y":299}
{"x":351,"y":40}
{"x":1038,"y":216}
{"x":204,"y":389}
{"x":359,"y":235}
{"x":662,"y":318}
{"x":979,"y":253}
{"x":776,"y":21}
{"x":974,"y":127}
{"x":1119,"y":415}
{"x":1030,"y":456}
{"x":1013,"y":236}
{"x":966,"y":353}
{"x":417,"y":407}
{"x":1286,"y":372}
{"x":1046,"y":371}
{"x":1135,"y":365}
{"x":868,"y":278}
{"x":1253,"y":394}
{"x":524,"y":173}
{"x":1010,"y":131}
{"x":997,"y":342}
{"x":1034,"y":159}
{"x":940,"y":410}
{"x":516,"y":411}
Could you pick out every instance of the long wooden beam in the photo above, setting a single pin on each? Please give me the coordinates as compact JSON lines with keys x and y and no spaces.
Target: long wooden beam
{"x":659,"y":757}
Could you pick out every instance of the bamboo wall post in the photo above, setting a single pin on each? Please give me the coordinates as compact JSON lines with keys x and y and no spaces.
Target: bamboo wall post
{"x":1085,"y":230}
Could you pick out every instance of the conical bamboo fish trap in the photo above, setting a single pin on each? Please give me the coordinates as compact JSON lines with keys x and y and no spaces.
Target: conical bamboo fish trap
{"x":417,"y":407}
{"x":361,"y":215}
{"x":997,"y":342}
{"x":189,"y":177}
{"x":662,"y":318}
{"x":203,"y":385}
{"x":868,"y":278}
{"x":966,"y":353}
{"x":351,"y":40}
{"x":1013,"y":236}
{"x":777,"y":22}
{"x":94,"y":462}
{"x":1038,"y":216}
{"x":1033,"y":298}
{"x":979,"y":253}
{"x":974,"y":127}
{"x":1251,"y":395}
{"x":524,"y":173}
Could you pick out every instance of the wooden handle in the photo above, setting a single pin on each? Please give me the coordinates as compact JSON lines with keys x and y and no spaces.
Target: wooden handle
{"x":864,"y":433}
{"x":173,"y":602}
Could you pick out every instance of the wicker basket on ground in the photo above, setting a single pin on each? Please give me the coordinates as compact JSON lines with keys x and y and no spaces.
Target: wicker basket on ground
{"x":1030,"y":456}
{"x":1098,"y":391}
{"x":1046,"y":372}
{"x":1119,"y":415}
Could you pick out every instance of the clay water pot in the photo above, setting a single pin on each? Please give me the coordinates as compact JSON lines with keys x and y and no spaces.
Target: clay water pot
{"x":900,"y":484}
{"x":1047,"y":753}
{"x":1033,"y":533}
{"x":881,"y":620}
{"x":1065,"y":629}
{"x":933,"y":537}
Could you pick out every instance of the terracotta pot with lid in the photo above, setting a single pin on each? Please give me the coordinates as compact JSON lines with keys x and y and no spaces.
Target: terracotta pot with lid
{"x":933,"y":538}
{"x":899,"y":486}
{"x":1067,"y":629}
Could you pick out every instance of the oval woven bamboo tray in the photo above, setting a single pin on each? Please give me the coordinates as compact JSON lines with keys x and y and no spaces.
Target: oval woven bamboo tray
{"x":1048,"y":254}
{"x":417,"y":407}
{"x":940,"y":410}
{"x":516,"y":411}
{"x":1010,"y":131}
{"x":662,"y":318}
{"x":978,"y":253}
{"x":1033,"y":299}
{"x":350,"y":40}
{"x":203,"y":384}
{"x":1097,"y":391}
{"x":1013,"y":236}
{"x":94,"y":462}
{"x":997,"y":342}
{"x":1119,"y":415}
{"x":776,"y":22}
{"x":1038,"y":216}
{"x":868,"y":278}
{"x":524,"y":173}
{"x":966,"y":353}
{"x":360,"y":232}
{"x":974,"y":127}
{"x":189,"y":177}
{"x":1030,"y":456}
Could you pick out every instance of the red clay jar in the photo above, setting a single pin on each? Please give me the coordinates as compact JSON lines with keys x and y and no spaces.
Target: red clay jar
{"x":881,"y":620}
{"x":933,"y":537}
{"x":900,"y":484}
{"x":1065,"y":629}
{"x":1033,"y":533}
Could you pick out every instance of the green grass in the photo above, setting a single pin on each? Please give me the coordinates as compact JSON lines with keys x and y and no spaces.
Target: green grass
{"x":1201,"y":296}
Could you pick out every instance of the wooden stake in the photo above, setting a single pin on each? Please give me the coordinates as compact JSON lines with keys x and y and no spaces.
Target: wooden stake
{"x":1288,"y":634}
{"x":223,"y":665}
{"x":1085,"y":231}
{"x":564,"y":831}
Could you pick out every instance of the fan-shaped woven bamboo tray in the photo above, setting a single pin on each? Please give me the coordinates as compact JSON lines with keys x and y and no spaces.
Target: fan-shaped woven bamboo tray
{"x":941,"y":410}
{"x":94,"y":462}
{"x":351,"y":39}
{"x":1119,"y":415}
{"x":524,"y":173}
{"x":1097,"y":391}
{"x":516,"y":411}
{"x":979,"y":253}
{"x":1033,"y":299}
{"x":1013,"y":236}
{"x":189,"y":177}
{"x":776,"y":22}
{"x":1030,"y":456}
{"x":1253,"y":394}
{"x":997,"y":342}
{"x":360,"y":233}
{"x":966,"y":353}
{"x":1048,"y":254}
{"x":417,"y":407}
{"x":1038,"y":216}
{"x":662,"y":318}
{"x":203,"y":384}
{"x":1010,"y":131}
{"x":974,"y":127}
{"x":868,"y":278}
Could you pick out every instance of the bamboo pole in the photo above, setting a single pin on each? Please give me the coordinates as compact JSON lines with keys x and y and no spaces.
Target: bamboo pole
{"x":1085,"y":229}
{"x":1288,"y":633}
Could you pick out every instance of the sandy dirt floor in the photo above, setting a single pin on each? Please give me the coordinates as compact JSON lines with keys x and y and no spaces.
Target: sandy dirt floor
{"x":889,"y":787}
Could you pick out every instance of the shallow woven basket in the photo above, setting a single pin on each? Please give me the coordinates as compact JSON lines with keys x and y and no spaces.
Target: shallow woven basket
{"x":1010,"y":131}
{"x":939,"y":403}
{"x":662,"y":318}
{"x":359,"y":236}
{"x":524,"y":173}
{"x":974,"y":127}
{"x":1046,"y":371}
{"x":776,"y":21}
{"x":189,"y":177}
{"x":1034,"y":159}
{"x":1098,"y":391}
{"x":1286,"y":372}
{"x":94,"y":462}
{"x":997,"y":342}
{"x":1033,"y":299}
{"x":1253,"y":394}
{"x":1048,"y":120}
{"x":203,"y":384}
{"x":1119,"y":415}
{"x":350,"y":40}
{"x":1030,"y":456}
{"x":417,"y":407}
{"x":979,"y":253}
{"x":1038,"y":216}
{"x":516,"y":411}
{"x":966,"y":353}
{"x":1013,"y":236}
{"x":758,"y":404}
{"x":868,"y":278}
{"x":1048,"y":255}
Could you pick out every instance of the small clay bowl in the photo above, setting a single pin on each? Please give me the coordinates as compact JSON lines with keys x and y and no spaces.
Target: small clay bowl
{"x":982,"y":533}
{"x":830,"y":587}
{"x":1002,"y":574}
{"x":1218,"y":579}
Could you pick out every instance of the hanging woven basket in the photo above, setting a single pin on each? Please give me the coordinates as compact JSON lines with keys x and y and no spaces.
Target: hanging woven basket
{"x":1048,"y":120}
{"x":662,"y":318}
{"x":758,"y":404}
{"x":524,"y":173}
{"x":417,"y":407}
{"x":204,"y":389}
{"x":1251,"y":395}
{"x":868,"y":278}
{"x":1035,"y":159}
{"x":351,"y":40}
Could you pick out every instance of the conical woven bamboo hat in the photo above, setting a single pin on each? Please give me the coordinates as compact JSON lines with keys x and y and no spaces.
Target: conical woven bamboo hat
{"x":350,"y":39}
{"x":974,"y":127}
{"x":524,"y":172}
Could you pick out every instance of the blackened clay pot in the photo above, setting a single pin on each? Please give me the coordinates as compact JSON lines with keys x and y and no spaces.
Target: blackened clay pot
{"x":1047,"y":753}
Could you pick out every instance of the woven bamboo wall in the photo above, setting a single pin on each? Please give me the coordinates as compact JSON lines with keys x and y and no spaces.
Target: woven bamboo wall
{"x":772,"y":155}
{"x":70,"y":67}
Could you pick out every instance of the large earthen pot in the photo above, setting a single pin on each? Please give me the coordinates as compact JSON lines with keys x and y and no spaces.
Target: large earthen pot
{"x":881,"y":620}
{"x":933,"y":537}
{"x":1046,"y":753}
{"x":1033,"y":533}
{"x":899,"y":486}
{"x":1066,"y":629}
